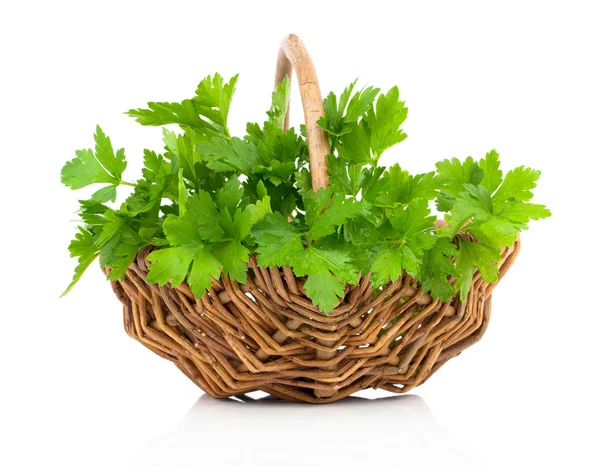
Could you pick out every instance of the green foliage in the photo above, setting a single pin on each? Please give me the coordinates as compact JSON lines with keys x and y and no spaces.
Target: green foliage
{"x":210,"y":200}
{"x":206,"y":112}
{"x":384,"y":120}
{"x":99,"y":166}
{"x":341,"y":116}
{"x":84,"y":249}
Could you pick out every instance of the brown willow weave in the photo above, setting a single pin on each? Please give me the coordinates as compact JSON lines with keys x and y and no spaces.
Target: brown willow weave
{"x":263,"y":335}
{"x":267,"y":335}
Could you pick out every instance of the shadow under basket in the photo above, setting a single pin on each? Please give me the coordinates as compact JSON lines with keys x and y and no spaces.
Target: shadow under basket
{"x":267,"y":335}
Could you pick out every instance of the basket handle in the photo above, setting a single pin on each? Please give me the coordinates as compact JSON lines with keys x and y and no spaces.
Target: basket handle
{"x":293,"y":55}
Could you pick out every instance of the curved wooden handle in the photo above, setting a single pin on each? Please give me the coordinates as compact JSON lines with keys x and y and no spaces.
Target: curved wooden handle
{"x":293,"y":55}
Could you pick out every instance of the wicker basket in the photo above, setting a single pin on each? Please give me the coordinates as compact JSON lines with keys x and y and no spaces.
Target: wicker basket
{"x":267,"y":335}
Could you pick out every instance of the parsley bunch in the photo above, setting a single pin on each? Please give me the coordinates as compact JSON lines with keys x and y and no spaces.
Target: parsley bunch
{"x":210,"y":200}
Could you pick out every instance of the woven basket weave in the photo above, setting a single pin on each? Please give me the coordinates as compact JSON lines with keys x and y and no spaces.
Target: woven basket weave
{"x":267,"y":335}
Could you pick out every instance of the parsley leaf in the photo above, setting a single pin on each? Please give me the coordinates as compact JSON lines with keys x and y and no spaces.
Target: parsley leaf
{"x":323,"y":288}
{"x":235,"y":155}
{"x":173,"y":264}
{"x":471,"y":255}
{"x":258,"y":211}
{"x":435,"y":269}
{"x":492,"y":175}
{"x":456,"y":174}
{"x":230,"y":195}
{"x":233,"y":256}
{"x":203,"y":218}
{"x":206,"y":112}
{"x":327,"y":271}
{"x":355,"y":144}
{"x":384,"y":120}
{"x":99,"y":166}
{"x":83,"y":247}
{"x":184,"y":114}
{"x":213,"y":98}
{"x":339,"y":117}
{"x":277,"y":240}
{"x":279,"y":102}
{"x":106,"y":194}
{"x":119,"y":252}
{"x":410,"y":236}
{"x":403,"y":187}
{"x":517,"y":185}
{"x":325,"y":211}
{"x":414,"y":225}
{"x":189,"y":235}
{"x":388,"y":262}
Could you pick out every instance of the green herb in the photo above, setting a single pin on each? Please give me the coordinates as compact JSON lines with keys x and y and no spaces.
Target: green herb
{"x":210,"y":200}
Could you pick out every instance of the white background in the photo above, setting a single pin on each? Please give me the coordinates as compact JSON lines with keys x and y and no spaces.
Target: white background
{"x":522,"y":77}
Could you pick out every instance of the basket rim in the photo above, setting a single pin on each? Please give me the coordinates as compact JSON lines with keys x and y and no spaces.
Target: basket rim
{"x":508,"y":256}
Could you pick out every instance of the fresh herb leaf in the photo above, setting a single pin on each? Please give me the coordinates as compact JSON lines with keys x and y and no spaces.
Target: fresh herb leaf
{"x":355,"y":144}
{"x":517,"y":185}
{"x":99,"y":166}
{"x":456,"y":174}
{"x":279,"y":102}
{"x":84,"y":248}
{"x":471,"y":255}
{"x":106,"y":194}
{"x":492,"y":175}
{"x":235,"y":155}
{"x":327,"y":271}
{"x":213,"y":98}
{"x":436,"y":267}
{"x":402,"y":187}
{"x":410,"y":235}
{"x":325,"y":211}
{"x":389,"y":261}
{"x":339,"y":117}
{"x":277,"y":240}
{"x":384,"y":120}
{"x":206,"y":112}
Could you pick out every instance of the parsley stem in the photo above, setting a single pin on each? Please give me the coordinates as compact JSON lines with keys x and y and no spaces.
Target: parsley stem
{"x":127,"y":183}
